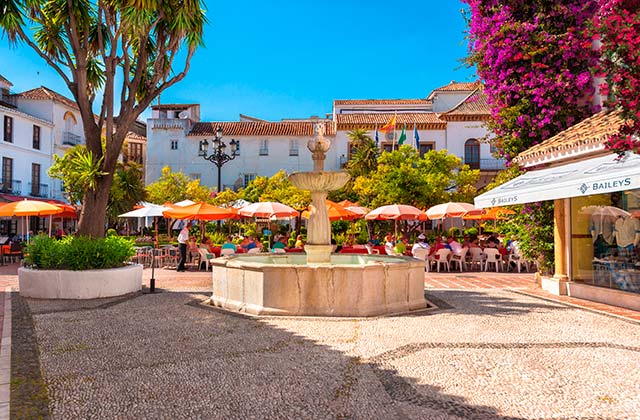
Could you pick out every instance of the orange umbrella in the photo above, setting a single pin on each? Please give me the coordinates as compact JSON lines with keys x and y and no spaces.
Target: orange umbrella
{"x":268,"y":210}
{"x":68,"y":211}
{"x":396,"y":212}
{"x":201,"y":211}
{"x":495,"y":213}
{"x":347,"y":203}
{"x":29,"y":208}
{"x":336,"y":212}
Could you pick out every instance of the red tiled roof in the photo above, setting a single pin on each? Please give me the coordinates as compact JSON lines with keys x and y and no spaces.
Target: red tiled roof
{"x":383,"y":118}
{"x":454,"y":86}
{"x":259,"y":128}
{"x":2,"y":79}
{"x":135,"y":136}
{"x":44,"y":93}
{"x":382,"y":102}
{"x":594,"y":130}
{"x":473,"y":105}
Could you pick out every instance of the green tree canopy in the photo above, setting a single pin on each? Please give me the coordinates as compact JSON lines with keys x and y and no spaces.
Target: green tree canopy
{"x":176,"y":186}
{"x":114,"y":51}
{"x":402,"y":177}
{"x":277,"y":188}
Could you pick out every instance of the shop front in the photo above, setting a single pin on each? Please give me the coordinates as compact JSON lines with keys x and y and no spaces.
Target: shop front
{"x":596,"y":215}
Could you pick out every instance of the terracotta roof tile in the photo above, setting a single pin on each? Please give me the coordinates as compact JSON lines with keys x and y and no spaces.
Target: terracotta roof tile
{"x":593,"y":131}
{"x":44,"y":93}
{"x":456,"y":86}
{"x":259,"y":128}
{"x":2,"y":79}
{"x":475,"y":104}
{"x":382,"y":102}
{"x":383,"y":118}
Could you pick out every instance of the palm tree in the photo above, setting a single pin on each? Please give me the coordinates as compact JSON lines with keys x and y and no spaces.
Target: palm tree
{"x":364,"y":154}
{"x":100,"y":47}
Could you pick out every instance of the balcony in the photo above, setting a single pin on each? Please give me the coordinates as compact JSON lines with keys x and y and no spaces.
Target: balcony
{"x":264,"y":151}
{"x":7,"y":99}
{"x":71,"y":139}
{"x":38,"y":190}
{"x":490,"y":164}
{"x":11,"y":187}
{"x":294,"y":152}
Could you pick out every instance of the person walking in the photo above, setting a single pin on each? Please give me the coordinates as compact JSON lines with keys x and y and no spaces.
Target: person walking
{"x":183,"y":239}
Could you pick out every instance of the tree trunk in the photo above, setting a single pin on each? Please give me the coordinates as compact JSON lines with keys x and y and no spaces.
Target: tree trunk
{"x":94,"y":209}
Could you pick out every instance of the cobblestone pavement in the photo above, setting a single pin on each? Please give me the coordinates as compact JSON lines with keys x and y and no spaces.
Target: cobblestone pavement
{"x":484,"y":354}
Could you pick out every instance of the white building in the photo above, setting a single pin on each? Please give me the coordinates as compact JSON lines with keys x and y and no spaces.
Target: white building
{"x":25,"y":148}
{"x":451,"y":117}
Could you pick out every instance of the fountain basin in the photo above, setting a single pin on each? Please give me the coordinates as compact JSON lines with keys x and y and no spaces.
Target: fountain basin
{"x":349,"y":286}
{"x":319,"y":181}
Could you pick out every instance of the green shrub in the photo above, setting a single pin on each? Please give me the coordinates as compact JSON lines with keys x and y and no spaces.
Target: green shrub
{"x":78,"y":253}
{"x":218,"y":238}
{"x":112,"y":232}
{"x":472,"y":231}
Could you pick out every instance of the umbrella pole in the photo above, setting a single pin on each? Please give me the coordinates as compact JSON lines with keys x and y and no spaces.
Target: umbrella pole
{"x":50,"y":222}
{"x":155,"y":222}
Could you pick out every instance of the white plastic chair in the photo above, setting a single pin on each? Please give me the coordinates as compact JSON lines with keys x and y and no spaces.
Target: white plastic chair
{"x":253,"y":251}
{"x":493,"y":257}
{"x":226,"y":251}
{"x":442,"y":258}
{"x":422,"y":254}
{"x":518,"y":261}
{"x":390,"y":250}
{"x":476,"y":258}
{"x":279,"y":250}
{"x":205,"y":257}
{"x":460,"y":259}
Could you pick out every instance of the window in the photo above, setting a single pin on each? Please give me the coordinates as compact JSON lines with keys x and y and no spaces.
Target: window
{"x":36,"y":137}
{"x":174,"y":144}
{"x":237,"y":147}
{"x":387,"y":147}
{"x":194,"y":176}
{"x":426,"y":147}
{"x":493,"y":148}
{"x":293,"y":148}
{"x":248,"y":178}
{"x":135,"y":153}
{"x":264,"y":148}
{"x":8,"y":129}
{"x":35,"y":179}
{"x":7,"y":174}
{"x":472,"y":153}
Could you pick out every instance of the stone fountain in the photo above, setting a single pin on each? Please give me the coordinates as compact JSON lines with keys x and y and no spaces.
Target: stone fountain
{"x":319,"y":283}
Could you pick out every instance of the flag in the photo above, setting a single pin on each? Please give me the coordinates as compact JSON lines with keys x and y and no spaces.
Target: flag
{"x":376,"y":137}
{"x":389,"y":126}
{"x":416,"y":137}
{"x":403,"y":135}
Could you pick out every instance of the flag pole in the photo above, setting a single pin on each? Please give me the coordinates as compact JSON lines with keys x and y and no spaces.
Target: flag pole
{"x":395,"y":114}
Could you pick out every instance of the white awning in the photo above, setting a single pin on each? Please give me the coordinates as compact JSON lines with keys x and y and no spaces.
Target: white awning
{"x":600,"y":175}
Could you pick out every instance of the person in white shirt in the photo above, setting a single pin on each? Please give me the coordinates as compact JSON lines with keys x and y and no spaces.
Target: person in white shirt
{"x":421,"y":243}
{"x":455,"y":246}
{"x":183,"y":239}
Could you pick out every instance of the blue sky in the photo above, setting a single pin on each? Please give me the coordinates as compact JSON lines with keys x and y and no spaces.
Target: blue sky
{"x":290,"y":59}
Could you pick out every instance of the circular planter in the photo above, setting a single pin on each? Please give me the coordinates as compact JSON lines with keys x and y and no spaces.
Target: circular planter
{"x":89,"y":284}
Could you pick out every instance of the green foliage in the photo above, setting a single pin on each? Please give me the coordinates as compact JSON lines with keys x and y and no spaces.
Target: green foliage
{"x":217,"y":238}
{"x":176,"y":186}
{"x":78,"y":253}
{"x":403,"y":177}
{"x":78,"y":170}
{"x":126,"y":190}
{"x":111,"y":232}
{"x":472,"y":231}
{"x":278,"y":188}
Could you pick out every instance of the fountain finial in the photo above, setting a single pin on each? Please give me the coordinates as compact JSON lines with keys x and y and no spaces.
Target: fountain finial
{"x":318,"y":147}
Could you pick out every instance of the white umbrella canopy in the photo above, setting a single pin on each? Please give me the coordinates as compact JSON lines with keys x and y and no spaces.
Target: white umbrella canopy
{"x":449,"y":209}
{"x":149,"y":210}
{"x":604,"y":211}
{"x":395,"y":212}
{"x":268,"y":210}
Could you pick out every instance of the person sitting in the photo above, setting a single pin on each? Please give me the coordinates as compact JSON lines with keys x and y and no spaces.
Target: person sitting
{"x":438,"y":245}
{"x":206,"y":243}
{"x":454,"y":245}
{"x":229,"y":245}
{"x":248,"y":243}
{"x":374,"y":241}
{"x":299,"y":242}
{"x":192,"y":248}
{"x":474,"y":243}
{"x":279,"y":243}
{"x":466,"y":241}
{"x":401,"y":246}
{"x":420,"y":244}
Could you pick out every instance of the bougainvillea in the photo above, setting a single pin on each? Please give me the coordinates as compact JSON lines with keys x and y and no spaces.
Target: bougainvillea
{"x":617,"y":25}
{"x":534,"y":58}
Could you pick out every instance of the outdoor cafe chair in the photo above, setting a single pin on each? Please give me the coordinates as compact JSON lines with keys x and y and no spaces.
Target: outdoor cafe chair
{"x":205,"y":258}
{"x":226,"y":251}
{"x":492,"y":257}
{"x":422,"y":254}
{"x":476,"y":258}
{"x":442,"y":258}
{"x":459,"y":259}
{"x":518,"y":261}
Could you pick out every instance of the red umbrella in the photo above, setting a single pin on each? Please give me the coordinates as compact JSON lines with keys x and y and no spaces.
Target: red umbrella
{"x":359,"y":210}
{"x":268,"y":210}
{"x":396,"y":212}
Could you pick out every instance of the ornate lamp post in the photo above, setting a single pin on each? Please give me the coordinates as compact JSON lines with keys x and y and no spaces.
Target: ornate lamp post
{"x":218,"y":156}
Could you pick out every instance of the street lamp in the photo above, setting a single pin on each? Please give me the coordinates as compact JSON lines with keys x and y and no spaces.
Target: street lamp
{"x":218,"y":156}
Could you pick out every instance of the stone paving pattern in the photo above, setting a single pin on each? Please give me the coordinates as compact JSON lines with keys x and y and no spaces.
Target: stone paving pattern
{"x":486,"y":353}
